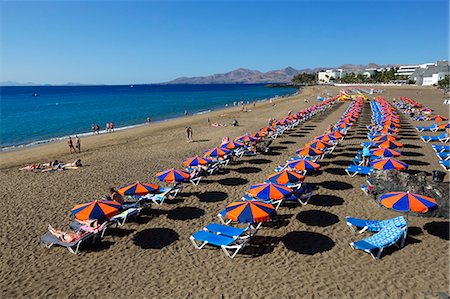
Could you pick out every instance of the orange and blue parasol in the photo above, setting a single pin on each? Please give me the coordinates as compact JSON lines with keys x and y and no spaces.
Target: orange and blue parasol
{"x":232,"y":145}
{"x":97,"y":209}
{"x":173,"y":175}
{"x":388,"y":144}
{"x":250,"y":211}
{"x":385,"y":137}
{"x":246,"y":138}
{"x":309,"y":151}
{"x":384,"y":152}
{"x":406,"y":202}
{"x":216,"y":152}
{"x":318,"y":144}
{"x":269,"y":191}
{"x":439,"y":118}
{"x":303,"y":165}
{"x":196,"y":161}
{"x":388,"y":164}
{"x":444,"y":126}
{"x":327,"y":138}
{"x":138,"y":189}
{"x":285,"y":177}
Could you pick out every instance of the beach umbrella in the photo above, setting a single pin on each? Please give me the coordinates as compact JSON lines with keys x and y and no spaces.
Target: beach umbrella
{"x":138,"y":189}
{"x":385,"y":137}
{"x":408,"y":202}
{"x":267,"y":129}
{"x":303,"y":165}
{"x":337,"y":134}
{"x":444,"y":126}
{"x":388,"y":164}
{"x":259,"y":135}
{"x":196,"y":161}
{"x":388,"y":144}
{"x":318,"y":144}
{"x":232,"y":145}
{"x":384,"y":152}
{"x":246,"y":138}
{"x":216,"y":152}
{"x":309,"y":151}
{"x":97,"y":209}
{"x":286,"y":177}
{"x":327,"y":138}
{"x":439,"y":118}
{"x":250,"y":211}
{"x":387,"y":130}
{"x":173,"y":175}
{"x":269,"y":191}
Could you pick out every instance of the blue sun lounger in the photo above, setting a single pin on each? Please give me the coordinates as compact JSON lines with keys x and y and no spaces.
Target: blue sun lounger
{"x":443,"y":156}
{"x":442,"y":138}
{"x":361,"y":225}
{"x":230,"y":245}
{"x":441,"y":148}
{"x":353,"y":170}
{"x":387,"y":236}
{"x":445,"y":164}
{"x":230,"y":231}
{"x":301,"y":195}
{"x":432,"y":128}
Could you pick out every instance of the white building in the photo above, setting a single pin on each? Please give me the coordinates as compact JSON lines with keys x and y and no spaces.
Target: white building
{"x":408,"y":70}
{"x":431,"y":74}
{"x":330,"y":75}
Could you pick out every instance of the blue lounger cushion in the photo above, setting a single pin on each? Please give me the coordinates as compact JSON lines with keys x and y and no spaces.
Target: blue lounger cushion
{"x":444,"y":156}
{"x":213,"y":239}
{"x":445,"y":164}
{"x":441,"y":148}
{"x":375,"y":225}
{"x":353,"y":170}
{"x":225,"y":230}
{"x":387,"y":236}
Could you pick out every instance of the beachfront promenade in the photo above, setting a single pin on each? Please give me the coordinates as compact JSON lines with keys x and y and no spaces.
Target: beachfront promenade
{"x":306,"y":245}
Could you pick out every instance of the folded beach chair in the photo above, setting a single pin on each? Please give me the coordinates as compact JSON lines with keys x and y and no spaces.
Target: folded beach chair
{"x":301,"y":195}
{"x":353,"y":170}
{"x":387,"y":236}
{"x":444,"y":138}
{"x":432,"y":128}
{"x":443,"y":156}
{"x":230,"y":245}
{"x":441,"y":148}
{"x":361,"y":225}
{"x":445,"y":164}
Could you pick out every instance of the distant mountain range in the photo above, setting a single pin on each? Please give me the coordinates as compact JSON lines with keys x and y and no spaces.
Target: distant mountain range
{"x":246,"y":76}
{"x":241,"y":76}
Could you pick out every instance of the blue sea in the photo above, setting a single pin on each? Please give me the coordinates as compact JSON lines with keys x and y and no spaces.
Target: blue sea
{"x":60,"y":111}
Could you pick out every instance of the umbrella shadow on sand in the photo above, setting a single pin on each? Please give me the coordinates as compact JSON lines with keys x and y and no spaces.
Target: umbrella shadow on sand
{"x":233,"y":181}
{"x":212,"y":196}
{"x":185,"y":213}
{"x":439,"y":229}
{"x":317,"y":218}
{"x":155,"y":238}
{"x":279,"y":221}
{"x":309,"y":243}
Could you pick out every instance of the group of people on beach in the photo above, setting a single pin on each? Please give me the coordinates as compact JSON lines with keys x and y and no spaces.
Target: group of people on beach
{"x":77,"y":147}
{"x":109,"y":127}
{"x":54,"y":165}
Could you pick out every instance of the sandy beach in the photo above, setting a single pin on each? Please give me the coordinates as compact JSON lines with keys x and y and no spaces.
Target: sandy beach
{"x":304,"y":254}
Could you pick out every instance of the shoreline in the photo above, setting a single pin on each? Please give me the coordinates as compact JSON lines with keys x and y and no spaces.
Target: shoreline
{"x":38,"y":150}
{"x":12,"y":148}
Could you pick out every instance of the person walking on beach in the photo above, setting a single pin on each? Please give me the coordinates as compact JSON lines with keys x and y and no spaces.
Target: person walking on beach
{"x":209,"y":121}
{"x":111,"y":127}
{"x":77,"y":144}
{"x":186,"y":113}
{"x":148,"y":120}
{"x":97,"y":129}
{"x":93,"y":129}
{"x":107,"y":127}
{"x":70,"y":144}
{"x":189,"y":134}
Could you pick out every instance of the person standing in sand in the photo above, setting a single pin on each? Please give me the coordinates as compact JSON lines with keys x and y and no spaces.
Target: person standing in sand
{"x":70,"y":144}
{"x":107,"y":127}
{"x":111,"y":127}
{"x":77,"y":144}
{"x":148,"y":120}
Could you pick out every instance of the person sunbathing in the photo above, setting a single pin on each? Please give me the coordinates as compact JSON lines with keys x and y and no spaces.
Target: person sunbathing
{"x":216,"y":125}
{"x":68,"y":237}
{"x":32,"y":167}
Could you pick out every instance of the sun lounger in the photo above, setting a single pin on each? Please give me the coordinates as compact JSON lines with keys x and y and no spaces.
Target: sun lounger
{"x":230,"y":231}
{"x":361,"y":225}
{"x":441,"y":148}
{"x":444,"y":138}
{"x":432,"y":128}
{"x":48,"y":240}
{"x":230,"y":245}
{"x":387,"y":236}
{"x":121,"y":218}
{"x":301,"y":195}
{"x":353,"y":170}
{"x":369,"y":144}
{"x":445,"y":164}
{"x":443,"y":156}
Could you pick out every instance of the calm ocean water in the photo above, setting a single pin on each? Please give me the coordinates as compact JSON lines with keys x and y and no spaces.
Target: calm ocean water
{"x":60,"y":111}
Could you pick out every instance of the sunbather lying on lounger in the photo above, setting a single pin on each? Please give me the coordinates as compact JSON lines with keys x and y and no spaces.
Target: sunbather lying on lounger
{"x":217,"y":125}
{"x":65,"y":236}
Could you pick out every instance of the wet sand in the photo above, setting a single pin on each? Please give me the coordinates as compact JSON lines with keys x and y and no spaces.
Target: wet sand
{"x":305,"y":253}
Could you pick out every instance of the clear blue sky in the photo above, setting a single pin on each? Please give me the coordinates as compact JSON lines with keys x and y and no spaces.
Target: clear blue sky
{"x":147,"y":42}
